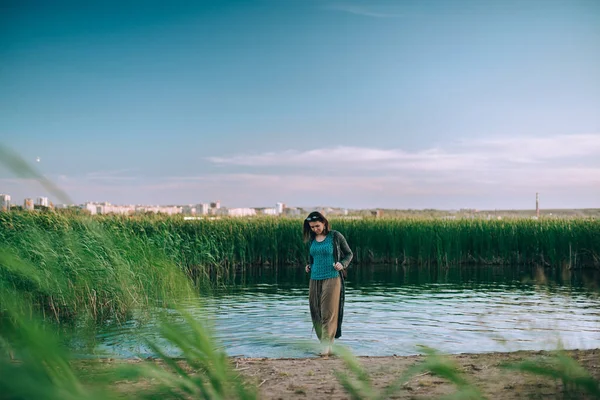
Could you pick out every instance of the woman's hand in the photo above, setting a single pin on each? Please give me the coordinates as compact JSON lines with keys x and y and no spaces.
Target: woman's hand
{"x":307,"y":268}
{"x":338,"y":266}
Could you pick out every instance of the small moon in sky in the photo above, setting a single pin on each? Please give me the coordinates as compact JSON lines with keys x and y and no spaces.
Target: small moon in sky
{"x":38,"y":159}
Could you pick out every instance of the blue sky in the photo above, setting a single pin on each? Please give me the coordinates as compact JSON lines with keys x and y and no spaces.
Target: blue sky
{"x":358,"y":104}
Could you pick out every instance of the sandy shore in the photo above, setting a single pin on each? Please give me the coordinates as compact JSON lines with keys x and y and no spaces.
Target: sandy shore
{"x":313,"y":378}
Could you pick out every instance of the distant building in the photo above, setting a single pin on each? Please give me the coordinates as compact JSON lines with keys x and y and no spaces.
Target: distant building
{"x":107,"y":208}
{"x":270,"y":211}
{"x":122,"y":210}
{"x":279,"y":207}
{"x":169,"y":210}
{"x":241,"y":212}
{"x":188,"y":210}
{"x":42,"y":201}
{"x":28,"y":204}
{"x":4,"y":202}
{"x":203,"y":209}
{"x":91,"y":207}
{"x":221,"y":211}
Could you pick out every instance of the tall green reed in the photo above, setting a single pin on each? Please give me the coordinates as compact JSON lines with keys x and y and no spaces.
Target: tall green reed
{"x":219,"y":245}
{"x":70,"y":267}
{"x":124,"y":257}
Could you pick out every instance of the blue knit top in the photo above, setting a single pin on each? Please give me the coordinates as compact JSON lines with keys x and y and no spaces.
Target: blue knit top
{"x":322,"y":253}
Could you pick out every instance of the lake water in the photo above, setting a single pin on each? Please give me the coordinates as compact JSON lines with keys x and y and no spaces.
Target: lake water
{"x":392,"y":310}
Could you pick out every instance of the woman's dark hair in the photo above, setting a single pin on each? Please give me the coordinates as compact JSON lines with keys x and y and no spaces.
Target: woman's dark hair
{"x":314,"y":216}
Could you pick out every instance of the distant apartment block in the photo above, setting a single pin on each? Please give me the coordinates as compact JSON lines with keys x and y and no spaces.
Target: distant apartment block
{"x":42,"y":201}
{"x":91,"y":207}
{"x":169,"y":210}
{"x":203,"y":209}
{"x":123,"y":210}
{"x":107,"y":208}
{"x":241,"y":212}
{"x":188,"y":210}
{"x":4,"y":202}
{"x":28,"y":204}
{"x":279,"y":207}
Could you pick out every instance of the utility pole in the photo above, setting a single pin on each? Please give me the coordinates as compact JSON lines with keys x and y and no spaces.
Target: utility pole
{"x":537,"y":205}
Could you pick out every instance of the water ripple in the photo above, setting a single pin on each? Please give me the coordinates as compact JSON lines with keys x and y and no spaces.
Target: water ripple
{"x":267,"y":320}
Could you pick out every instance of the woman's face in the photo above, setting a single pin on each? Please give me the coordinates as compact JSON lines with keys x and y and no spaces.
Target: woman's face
{"x":317,"y":227}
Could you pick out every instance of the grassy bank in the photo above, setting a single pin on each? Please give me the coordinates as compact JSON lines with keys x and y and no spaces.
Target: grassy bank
{"x":107,"y":265}
{"x":553,"y":242}
{"x":67,"y":267}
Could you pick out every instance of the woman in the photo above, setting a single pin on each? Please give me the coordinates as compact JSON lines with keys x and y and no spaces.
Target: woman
{"x":329,"y":257}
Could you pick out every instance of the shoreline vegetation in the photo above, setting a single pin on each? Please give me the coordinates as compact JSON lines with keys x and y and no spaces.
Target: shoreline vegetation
{"x":106,"y":266}
{"x":555,"y":243}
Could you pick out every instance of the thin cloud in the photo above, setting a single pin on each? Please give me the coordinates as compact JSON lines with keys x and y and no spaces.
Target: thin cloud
{"x":532,"y":149}
{"x":297,"y":158}
{"x":294,"y":182}
{"x":463,"y":156}
{"x":243,"y":189}
{"x":427,"y":182}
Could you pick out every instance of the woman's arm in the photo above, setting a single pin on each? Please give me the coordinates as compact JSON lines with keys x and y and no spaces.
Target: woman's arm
{"x":345,"y":249}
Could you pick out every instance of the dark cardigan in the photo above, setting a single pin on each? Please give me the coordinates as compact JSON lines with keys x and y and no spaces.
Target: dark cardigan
{"x":343,"y":255}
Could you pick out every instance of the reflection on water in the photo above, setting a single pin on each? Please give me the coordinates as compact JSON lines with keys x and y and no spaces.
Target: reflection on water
{"x":392,"y":309}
